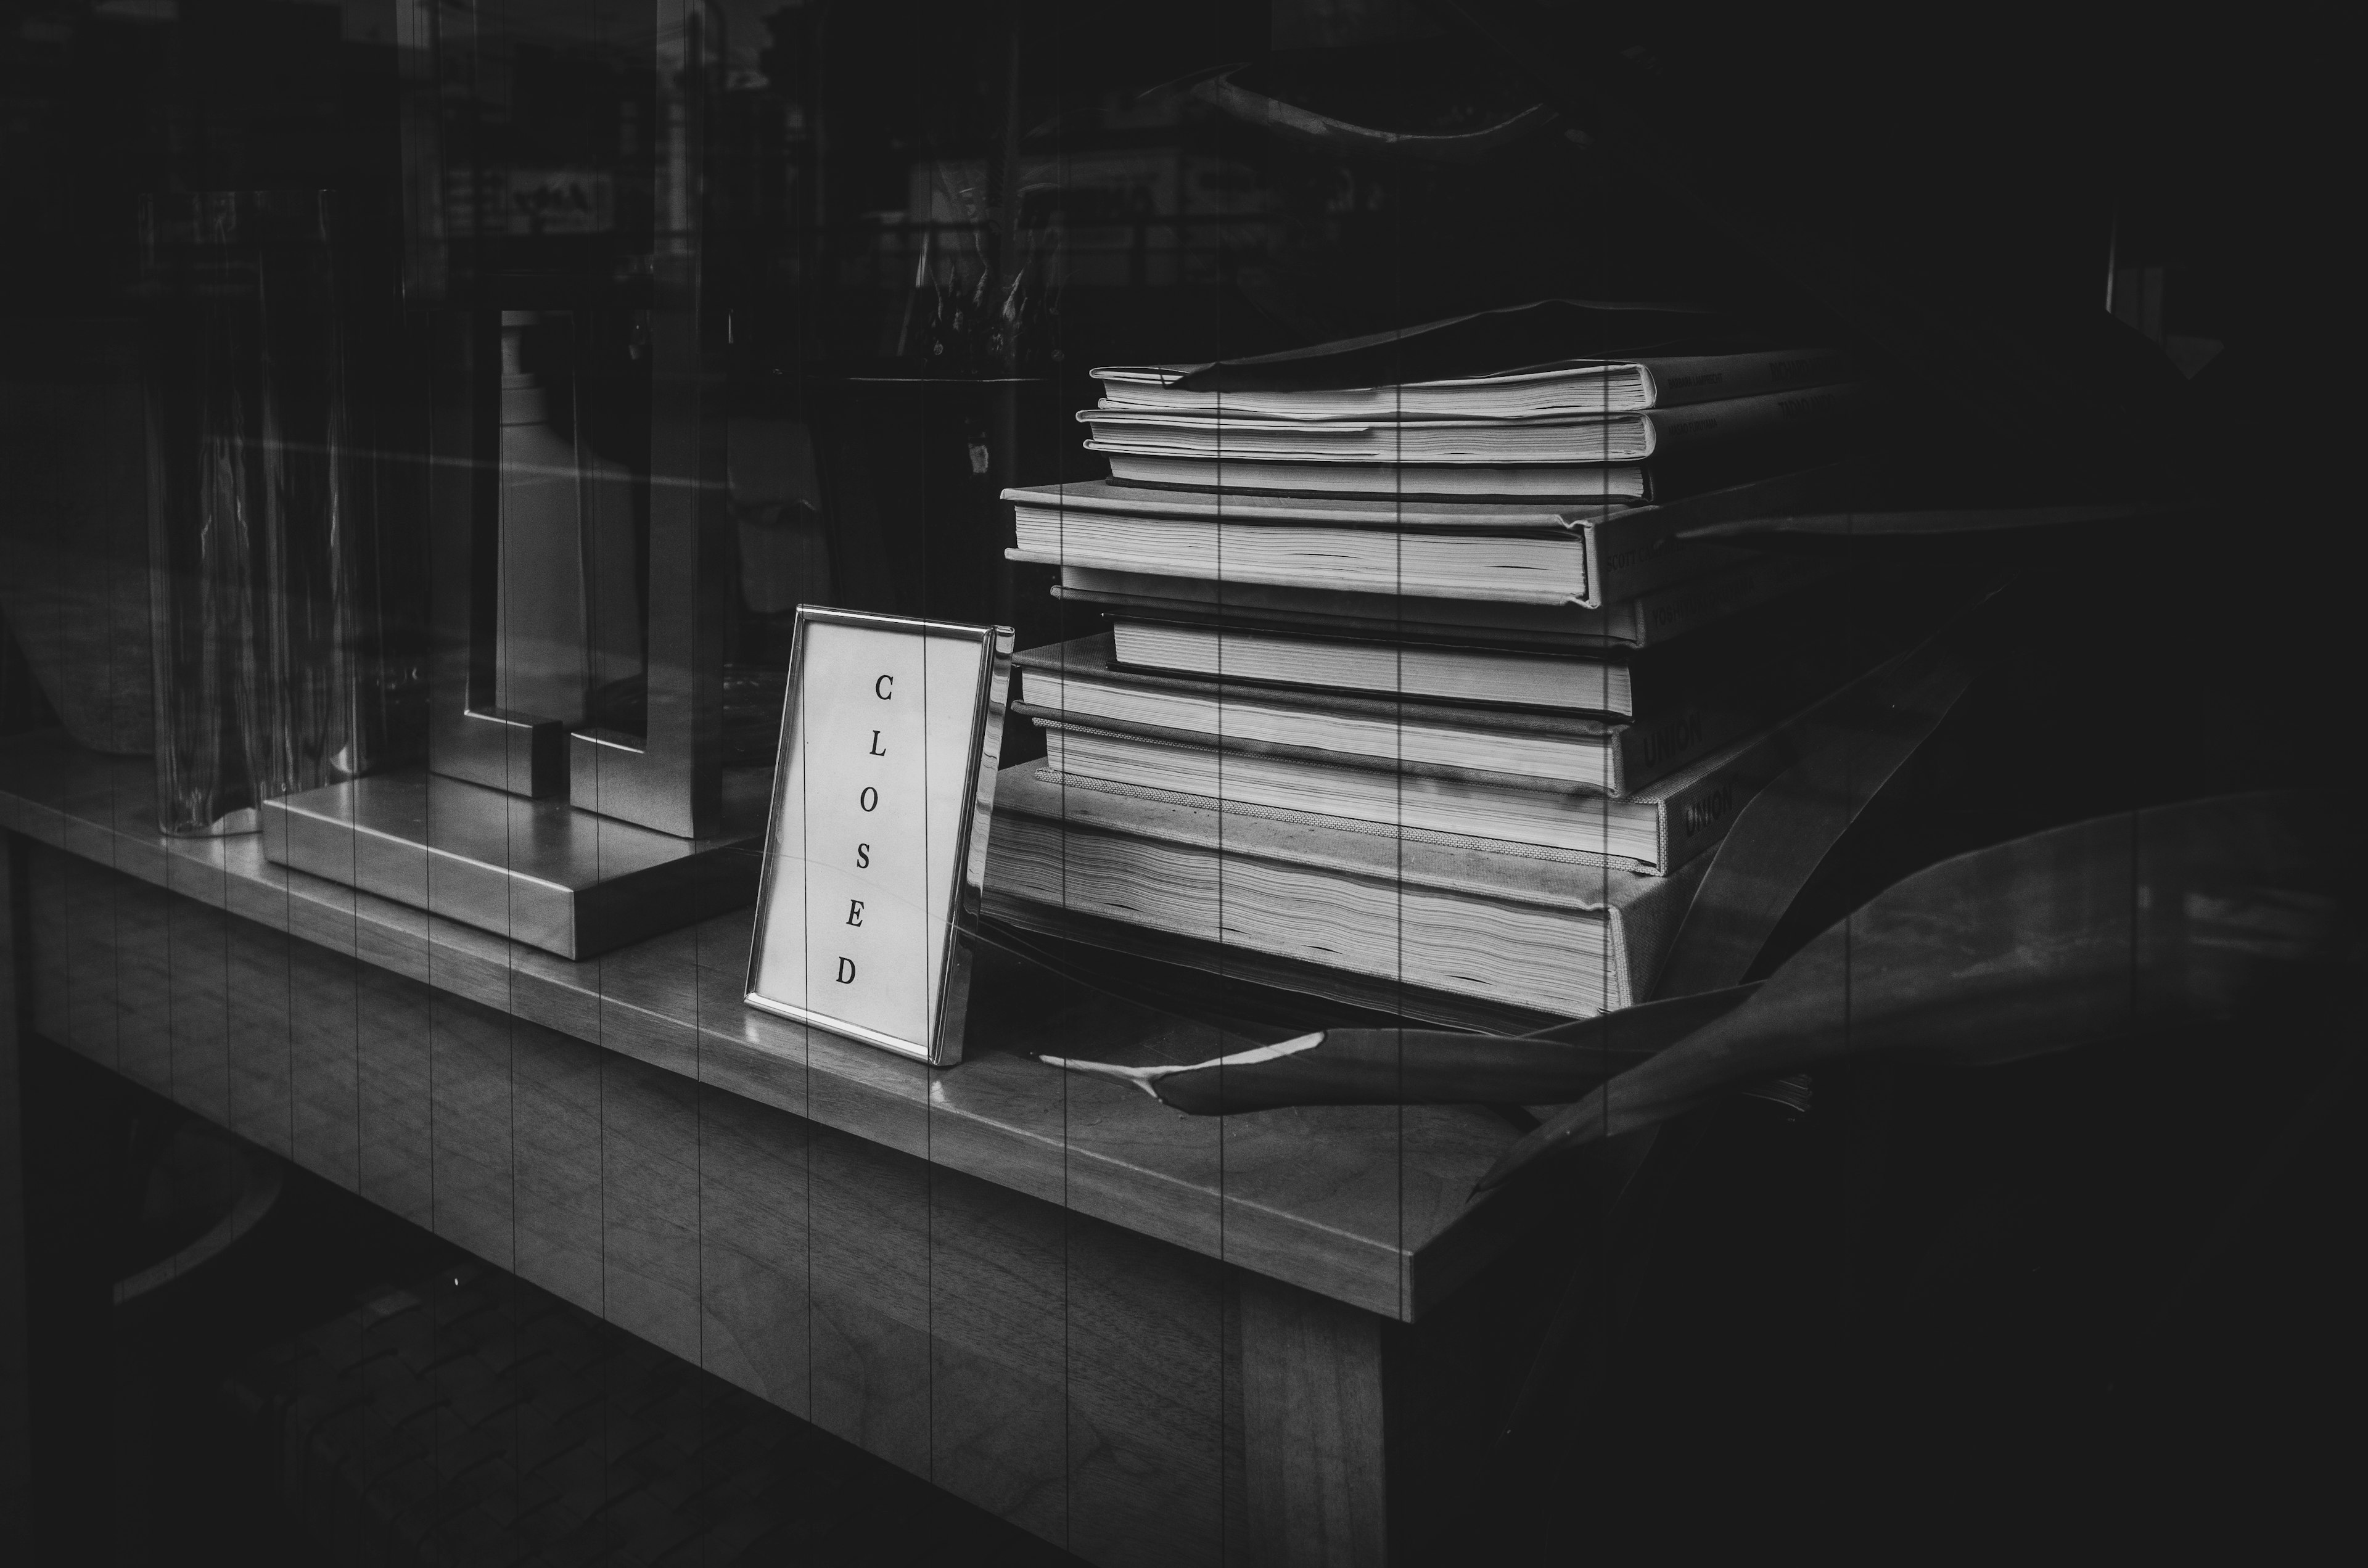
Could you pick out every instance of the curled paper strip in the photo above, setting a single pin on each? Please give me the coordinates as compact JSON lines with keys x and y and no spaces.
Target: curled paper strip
{"x":1392,"y":1066}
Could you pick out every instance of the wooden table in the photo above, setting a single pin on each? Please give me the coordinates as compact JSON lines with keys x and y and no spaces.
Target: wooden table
{"x":1152,"y":1338}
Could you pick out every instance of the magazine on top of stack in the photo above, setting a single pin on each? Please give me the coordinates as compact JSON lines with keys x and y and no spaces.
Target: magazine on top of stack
{"x":1494,"y":405}
{"x":1406,"y":699}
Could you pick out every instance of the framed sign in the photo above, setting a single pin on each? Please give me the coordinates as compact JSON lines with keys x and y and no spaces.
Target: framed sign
{"x":876,"y":845}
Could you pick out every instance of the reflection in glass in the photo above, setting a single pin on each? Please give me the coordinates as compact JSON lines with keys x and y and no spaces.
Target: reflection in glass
{"x":568,"y":616}
{"x":263,"y":565}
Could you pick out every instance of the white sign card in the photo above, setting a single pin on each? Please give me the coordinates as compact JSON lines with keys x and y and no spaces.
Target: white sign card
{"x":876,"y":847}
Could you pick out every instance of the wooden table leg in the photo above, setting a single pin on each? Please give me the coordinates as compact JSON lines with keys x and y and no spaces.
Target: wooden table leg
{"x":1313,"y":1429}
{"x":1364,"y":1441}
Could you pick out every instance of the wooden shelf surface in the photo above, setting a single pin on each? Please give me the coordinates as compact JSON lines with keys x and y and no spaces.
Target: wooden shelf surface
{"x":1365,"y":1205}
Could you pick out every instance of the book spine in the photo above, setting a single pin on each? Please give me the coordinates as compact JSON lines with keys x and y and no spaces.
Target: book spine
{"x":1634,"y":556}
{"x":1695,"y":818}
{"x":1653,"y":749}
{"x":1810,"y":410}
{"x":1667,"y":614}
{"x":1623,"y":624}
{"x":1641,"y":929}
{"x":1709,"y":710}
{"x":1674,"y":384}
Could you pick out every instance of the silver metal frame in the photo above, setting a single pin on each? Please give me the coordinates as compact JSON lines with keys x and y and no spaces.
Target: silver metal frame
{"x":944,"y":1048}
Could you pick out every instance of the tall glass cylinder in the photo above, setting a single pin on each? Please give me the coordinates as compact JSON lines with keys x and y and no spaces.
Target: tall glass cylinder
{"x":261,"y":595}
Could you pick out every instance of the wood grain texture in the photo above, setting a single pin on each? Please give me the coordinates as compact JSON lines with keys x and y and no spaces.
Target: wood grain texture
{"x":1060,"y":1372}
{"x":556,"y":1162}
{"x":869,"y":1311}
{"x":1152,"y":1475}
{"x":1148,"y":1338}
{"x":197,"y":948}
{"x":1313,"y":1388}
{"x":324,"y":1063}
{"x":651,"y":1151}
{"x":395,"y":1146}
{"x":471,"y":1126}
{"x":1000,"y":1323}
{"x":753,"y":1248}
{"x":257,"y":990}
{"x":1343,"y":1200}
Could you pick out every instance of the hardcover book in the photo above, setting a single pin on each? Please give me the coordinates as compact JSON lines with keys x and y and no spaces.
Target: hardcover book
{"x":1582,"y":387}
{"x":1756,"y":657}
{"x":1546,"y":554}
{"x":1657,"y":828}
{"x":1650,"y":620}
{"x":1562,"y":938}
{"x":1078,"y":684}
{"x":1229,"y":437}
{"x":1573,"y":484}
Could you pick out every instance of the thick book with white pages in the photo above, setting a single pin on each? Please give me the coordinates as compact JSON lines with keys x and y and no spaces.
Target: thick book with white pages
{"x":1552,"y":936}
{"x":1754,"y":666}
{"x":1657,"y":828}
{"x":1613,"y":438}
{"x":1650,"y":619}
{"x":1418,"y":670}
{"x":1077,"y":682}
{"x":1541,"y":559}
{"x":1534,"y":553}
{"x":1654,"y":684}
{"x":1571,"y":484}
{"x":1388,"y":546}
{"x":1581,"y":387}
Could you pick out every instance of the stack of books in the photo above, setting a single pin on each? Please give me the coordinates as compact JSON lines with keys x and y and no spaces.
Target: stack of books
{"x":1567,"y":432}
{"x":1411,"y":696}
